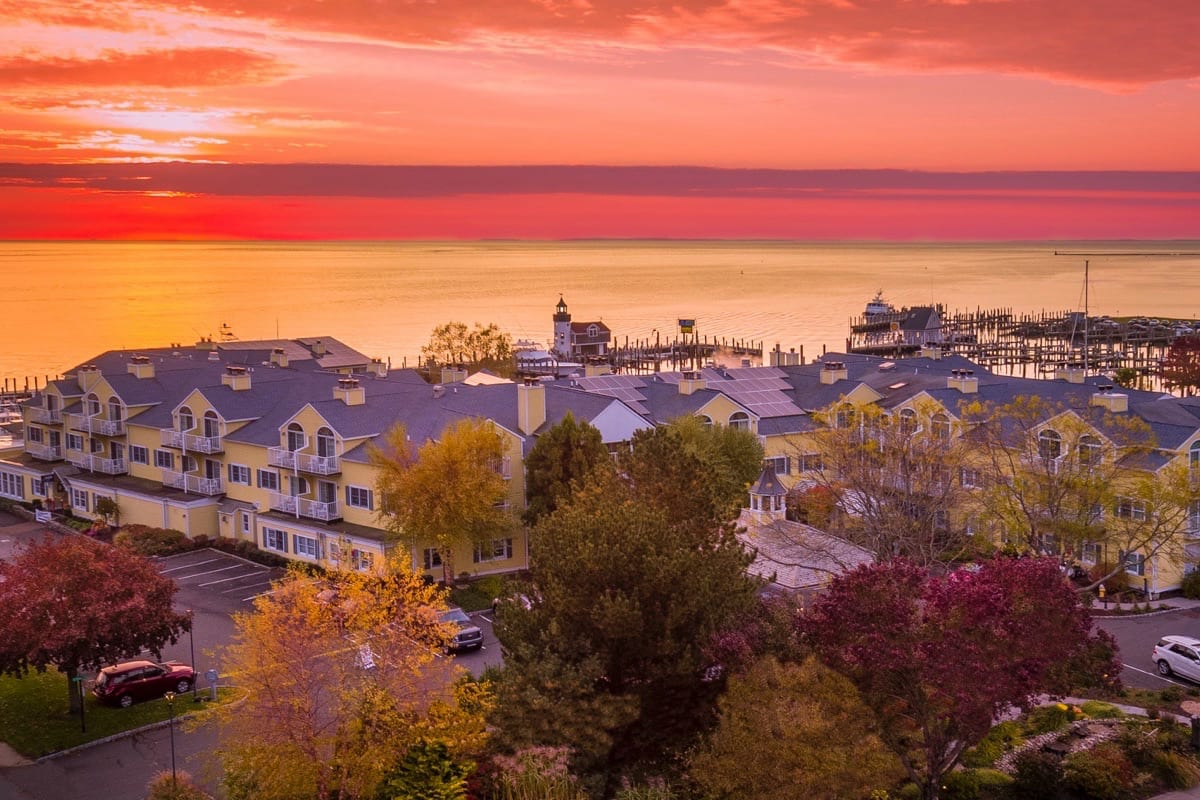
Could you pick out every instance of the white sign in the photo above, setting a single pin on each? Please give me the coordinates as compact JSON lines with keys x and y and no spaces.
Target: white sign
{"x":41,"y":516}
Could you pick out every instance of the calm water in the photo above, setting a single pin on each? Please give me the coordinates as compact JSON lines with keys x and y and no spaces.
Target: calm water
{"x":64,"y":302}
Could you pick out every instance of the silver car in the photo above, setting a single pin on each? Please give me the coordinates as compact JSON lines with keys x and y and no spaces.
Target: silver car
{"x":1178,"y":655}
{"x":468,"y":636}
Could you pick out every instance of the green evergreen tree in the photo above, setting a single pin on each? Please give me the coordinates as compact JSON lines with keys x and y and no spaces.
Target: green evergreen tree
{"x":564,"y":455}
{"x":428,"y":771}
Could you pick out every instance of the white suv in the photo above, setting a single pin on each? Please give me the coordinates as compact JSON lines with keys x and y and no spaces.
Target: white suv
{"x":1178,"y":655}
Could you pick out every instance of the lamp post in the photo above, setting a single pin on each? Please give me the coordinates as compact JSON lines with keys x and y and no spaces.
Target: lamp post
{"x":170,"y":698}
{"x":192,"y":646}
{"x":657,"y":352}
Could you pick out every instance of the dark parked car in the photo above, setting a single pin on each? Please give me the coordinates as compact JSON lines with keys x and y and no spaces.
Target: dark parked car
{"x":468,"y":637}
{"x":126,"y":683}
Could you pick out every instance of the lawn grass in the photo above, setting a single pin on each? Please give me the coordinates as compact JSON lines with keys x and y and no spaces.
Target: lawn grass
{"x":35,"y":722}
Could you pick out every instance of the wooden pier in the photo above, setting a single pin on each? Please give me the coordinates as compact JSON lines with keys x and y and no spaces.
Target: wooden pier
{"x":643,"y":356}
{"x":1034,"y":344}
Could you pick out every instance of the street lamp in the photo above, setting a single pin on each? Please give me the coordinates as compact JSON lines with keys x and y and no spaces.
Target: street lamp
{"x":170,"y":698}
{"x":192,"y":646}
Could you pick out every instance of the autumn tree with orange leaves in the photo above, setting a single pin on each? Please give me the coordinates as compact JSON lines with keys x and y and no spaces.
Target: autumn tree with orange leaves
{"x":343,"y":676}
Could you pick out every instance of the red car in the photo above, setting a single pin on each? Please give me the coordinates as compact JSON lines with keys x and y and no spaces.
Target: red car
{"x":126,"y":683}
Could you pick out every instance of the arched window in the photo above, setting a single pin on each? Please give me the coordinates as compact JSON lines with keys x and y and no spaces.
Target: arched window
{"x":115,"y":409}
{"x":212,"y":424}
{"x":295,"y":437}
{"x":1049,"y":444}
{"x":92,"y":405}
{"x":1089,"y":450}
{"x":186,"y":420}
{"x":1194,"y":456}
{"x":326,"y":444}
{"x":908,"y":422}
{"x":939,"y":426}
{"x":845,"y":416}
{"x":706,"y":420}
{"x":739,"y":420}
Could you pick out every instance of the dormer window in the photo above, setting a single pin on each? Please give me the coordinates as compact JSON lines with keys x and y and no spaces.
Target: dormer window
{"x":939,"y":426}
{"x":295,"y":437}
{"x":1050,"y":444}
{"x":116,"y":411}
{"x":92,"y":405}
{"x":908,"y":422}
{"x":739,"y":421}
{"x":1089,"y":450}
{"x":186,"y":420}
{"x":326,"y":444}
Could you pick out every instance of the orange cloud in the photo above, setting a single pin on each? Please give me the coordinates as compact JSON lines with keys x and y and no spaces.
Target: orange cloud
{"x":185,"y":67}
{"x":1109,"y":42}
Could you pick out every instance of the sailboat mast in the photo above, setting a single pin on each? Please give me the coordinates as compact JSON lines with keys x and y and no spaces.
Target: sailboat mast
{"x":1086,"y":283}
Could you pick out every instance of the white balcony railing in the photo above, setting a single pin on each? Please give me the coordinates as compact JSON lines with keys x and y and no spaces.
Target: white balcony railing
{"x":46,"y":452}
{"x":109,"y":466}
{"x":281,"y":457}
{"x":192,"y":483}
{"x":46,"y":416}
{"x":102,"y":427}
{"x":321,"y":465}
{"x":290,"y":504}
{"x":190,"y":442}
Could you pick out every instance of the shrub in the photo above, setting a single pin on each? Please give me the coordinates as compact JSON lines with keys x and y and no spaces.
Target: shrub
{"x":1097,"y":709}
{"x":1045,"y":719}
{"x":1190,"y":585}
{"x":1037,"y":775}
{"x":975,"y":784}
{"x":1101,"y":773}
{"x":998,"y":741}
{"x":1114,"y":584}
{"x":1171,"y":694}
{"x":1174,"y":770}
{"x":178,"y":786}
{"x":149,"y":541}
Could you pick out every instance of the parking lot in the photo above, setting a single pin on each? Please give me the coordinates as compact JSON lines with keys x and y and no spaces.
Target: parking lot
{"x":211,"y":572}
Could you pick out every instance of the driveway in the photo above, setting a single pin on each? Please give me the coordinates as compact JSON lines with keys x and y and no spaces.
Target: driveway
{"x":1136,"y":636}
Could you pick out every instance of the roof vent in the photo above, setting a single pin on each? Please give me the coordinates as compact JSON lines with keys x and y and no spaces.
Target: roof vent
{"x":438,"y":390}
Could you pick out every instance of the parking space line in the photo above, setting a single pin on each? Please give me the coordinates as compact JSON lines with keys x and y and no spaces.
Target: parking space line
{"x":189,"y":566}
{"x":227,"y":580}
{"x":208,"y":572}
{"x":245,"y":587}
{"x":260,"y":594}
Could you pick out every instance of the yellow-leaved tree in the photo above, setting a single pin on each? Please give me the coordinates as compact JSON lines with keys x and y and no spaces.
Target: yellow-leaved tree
{"x":450,"y":492}
{"x":342,"y":677}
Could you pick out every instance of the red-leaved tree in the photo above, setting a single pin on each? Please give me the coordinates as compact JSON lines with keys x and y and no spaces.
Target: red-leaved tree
{"x":1181,"y":367}
{"x":76,"y":604}
{"x":940,"y":659}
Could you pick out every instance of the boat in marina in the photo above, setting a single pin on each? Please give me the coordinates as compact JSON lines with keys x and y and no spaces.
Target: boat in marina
{"x":877,"y":305}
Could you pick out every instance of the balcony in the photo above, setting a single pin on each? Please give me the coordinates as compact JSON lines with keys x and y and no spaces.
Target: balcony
{"x":46,"y":452}
{"x":96,"y":425}
{"x":192,"y":483}
{"x":46,"y":416}
{"x":304,"y":462}
{"x":299,"y":506}
{"x":109,"y":466}
{"x":319,"y":465}
{"x":281,"y":457}
{"x":190,"y":442}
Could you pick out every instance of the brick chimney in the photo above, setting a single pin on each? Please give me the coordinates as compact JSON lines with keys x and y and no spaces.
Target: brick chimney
{"x":140,"y":367}
{"x":236,"y":377}
{"x":691,"y":382}
{"x":350,"y":392}
{"x":834,"y":371}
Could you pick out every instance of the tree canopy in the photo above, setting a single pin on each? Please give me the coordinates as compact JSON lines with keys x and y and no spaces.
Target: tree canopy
{"x":561,"y":457}
{"x":792,"y":730}
{"x":76,"y":604}
{"x":448,"y":491}
{"x":938,"y":659}
{"x":893,"y":480}
{"x":630,"y":582}
{"x":455,"y":343}
{"x":1181,"y":368}
{"x":343,"y":682}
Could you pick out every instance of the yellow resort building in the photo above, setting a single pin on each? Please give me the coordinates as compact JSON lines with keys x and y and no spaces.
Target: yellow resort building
{"x":268,"y":441}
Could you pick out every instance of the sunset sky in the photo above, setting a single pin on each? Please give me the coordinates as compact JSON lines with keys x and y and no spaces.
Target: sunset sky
{"x":465,"y":119}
